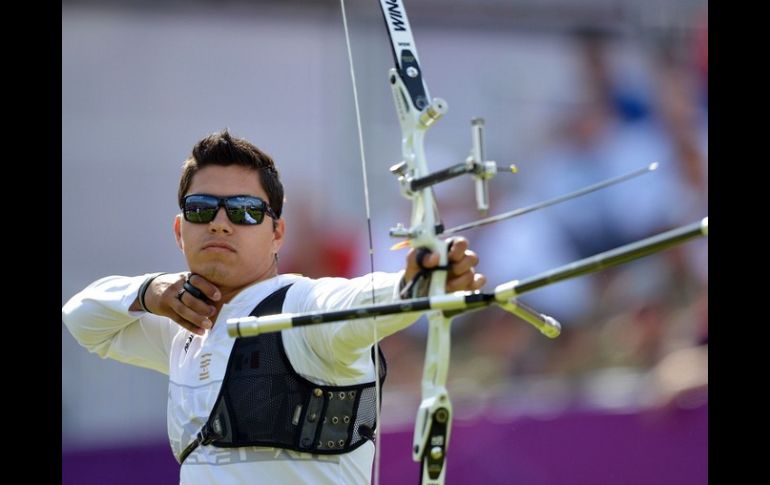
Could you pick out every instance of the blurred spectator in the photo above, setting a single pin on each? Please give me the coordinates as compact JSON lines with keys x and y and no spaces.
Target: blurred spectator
{"x":318,"y":245}
{"x":630,"y":317}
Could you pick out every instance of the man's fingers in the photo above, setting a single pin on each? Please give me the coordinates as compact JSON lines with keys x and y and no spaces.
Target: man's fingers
{"x":209,"y":291}
{"x":176,"y":299}
{"x":197,"y":316}
{"x":457,"y":248}
{"x":469,"y":260}
{"x":458,"y":251}
{"x":468,"y":281}
{"x":460,"y":283}
{"x":479,"y":280}
{"x":461,"y":261}
{"x":188,"y":325}
{"x":197,"y":305}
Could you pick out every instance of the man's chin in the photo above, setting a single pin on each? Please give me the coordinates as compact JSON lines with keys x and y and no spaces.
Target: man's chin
{"x":214,"y":274}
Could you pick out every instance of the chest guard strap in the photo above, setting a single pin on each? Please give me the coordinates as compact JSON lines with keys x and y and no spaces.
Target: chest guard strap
{"x":264,"y":402}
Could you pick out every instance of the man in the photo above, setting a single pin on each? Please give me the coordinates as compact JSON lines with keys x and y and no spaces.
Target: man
{"x":293,"y":407}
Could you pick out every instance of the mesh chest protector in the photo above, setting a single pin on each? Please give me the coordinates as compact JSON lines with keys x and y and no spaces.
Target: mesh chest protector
{"x":264,"y":402}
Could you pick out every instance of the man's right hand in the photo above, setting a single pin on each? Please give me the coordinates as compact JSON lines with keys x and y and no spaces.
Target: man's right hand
{"x":166,"y":296}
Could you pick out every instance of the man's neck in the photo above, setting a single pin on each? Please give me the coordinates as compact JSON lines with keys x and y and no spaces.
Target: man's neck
{"x":229,"y":293}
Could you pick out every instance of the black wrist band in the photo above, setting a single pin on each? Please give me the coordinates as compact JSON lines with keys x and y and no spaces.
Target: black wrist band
{"x":143,"y":290}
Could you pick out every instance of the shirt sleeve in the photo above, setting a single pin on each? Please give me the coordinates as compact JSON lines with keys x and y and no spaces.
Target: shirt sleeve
{"x":348,"y":343}
{"x":99,"y":319}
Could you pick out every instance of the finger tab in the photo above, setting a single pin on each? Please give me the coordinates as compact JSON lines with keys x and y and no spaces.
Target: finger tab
{"x":193,"y":290}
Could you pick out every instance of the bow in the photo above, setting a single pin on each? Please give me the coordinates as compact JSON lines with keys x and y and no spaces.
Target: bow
{"x":417,"y":112}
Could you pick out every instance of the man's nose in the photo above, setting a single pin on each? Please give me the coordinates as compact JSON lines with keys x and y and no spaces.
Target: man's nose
{"x":220,"y":222}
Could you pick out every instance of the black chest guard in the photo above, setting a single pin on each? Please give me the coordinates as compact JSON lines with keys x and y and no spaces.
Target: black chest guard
{"x":264,"y":402}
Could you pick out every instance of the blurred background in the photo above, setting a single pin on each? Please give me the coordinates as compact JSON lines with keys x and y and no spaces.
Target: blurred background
{"x":572,"y":92}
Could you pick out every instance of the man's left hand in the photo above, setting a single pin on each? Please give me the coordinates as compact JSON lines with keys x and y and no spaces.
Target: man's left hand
{"x":461,"y":275}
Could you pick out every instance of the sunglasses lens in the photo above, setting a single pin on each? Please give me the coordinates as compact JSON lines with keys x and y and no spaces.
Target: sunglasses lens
{"x":241,"y":209}
{"x":245,"y":210}
{"x":200,"y":209}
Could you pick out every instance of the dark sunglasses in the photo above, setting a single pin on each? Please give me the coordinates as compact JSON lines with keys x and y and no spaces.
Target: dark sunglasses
{"x":241,"y":209}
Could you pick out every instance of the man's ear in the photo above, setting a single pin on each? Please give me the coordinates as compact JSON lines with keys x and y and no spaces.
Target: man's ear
{"x":178,"y":231}
{"x":279,"y":230}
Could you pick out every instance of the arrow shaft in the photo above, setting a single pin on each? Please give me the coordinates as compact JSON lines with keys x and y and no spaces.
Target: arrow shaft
{"x":460,"y":301}
{"x":604,"y":260}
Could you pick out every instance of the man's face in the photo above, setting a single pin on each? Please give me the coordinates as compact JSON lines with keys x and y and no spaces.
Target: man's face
{"x":226,"y":254}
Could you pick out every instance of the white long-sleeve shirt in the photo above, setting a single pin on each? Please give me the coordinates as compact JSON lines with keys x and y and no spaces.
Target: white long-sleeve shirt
{"x":332,"y":354}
